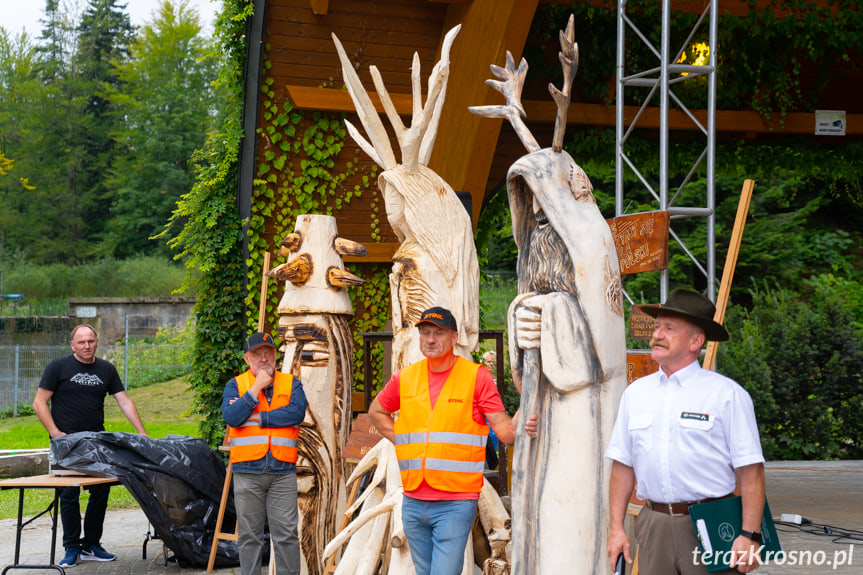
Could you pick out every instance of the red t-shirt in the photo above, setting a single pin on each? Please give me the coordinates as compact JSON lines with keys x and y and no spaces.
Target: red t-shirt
{"x":486,"y":399}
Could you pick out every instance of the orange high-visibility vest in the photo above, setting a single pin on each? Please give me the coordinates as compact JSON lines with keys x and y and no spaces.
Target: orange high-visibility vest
{"x":444,"y":445}
{"x":250,"y":442}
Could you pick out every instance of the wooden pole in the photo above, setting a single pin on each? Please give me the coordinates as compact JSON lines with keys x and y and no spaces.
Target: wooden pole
{"x":262,"y":306}
{"x":330,"y":566}
{"x":262,"y":316}
{"x":730,"y":264}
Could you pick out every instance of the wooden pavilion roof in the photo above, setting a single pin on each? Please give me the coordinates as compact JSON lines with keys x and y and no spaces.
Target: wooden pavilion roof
{"x":472,"y":154}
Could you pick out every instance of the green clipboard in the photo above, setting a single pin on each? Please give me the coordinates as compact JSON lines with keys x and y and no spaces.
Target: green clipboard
{"x":717,"y":524}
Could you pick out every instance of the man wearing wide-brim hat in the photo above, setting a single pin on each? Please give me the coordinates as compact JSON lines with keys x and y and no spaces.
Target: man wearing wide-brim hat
{"x":683,"y":433}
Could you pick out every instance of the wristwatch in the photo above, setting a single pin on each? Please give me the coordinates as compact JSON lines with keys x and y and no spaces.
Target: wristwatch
{"x":754,"y":535}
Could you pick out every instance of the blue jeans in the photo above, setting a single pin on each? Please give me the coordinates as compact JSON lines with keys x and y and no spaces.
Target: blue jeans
{"x":437,"y":533}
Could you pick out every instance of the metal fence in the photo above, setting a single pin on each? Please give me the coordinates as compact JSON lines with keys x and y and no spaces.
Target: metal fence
{"x":152,"y":351}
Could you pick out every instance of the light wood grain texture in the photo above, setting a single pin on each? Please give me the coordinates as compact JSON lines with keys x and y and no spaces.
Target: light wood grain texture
{"x":317,"y":349}
{"x":730,"y":265}
{"x":436,"y":263}
{"x":567,"y":345}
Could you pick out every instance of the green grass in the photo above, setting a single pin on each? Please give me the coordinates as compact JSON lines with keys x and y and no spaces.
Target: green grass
{"x":164,"y":408}
{"x":496,"y":292}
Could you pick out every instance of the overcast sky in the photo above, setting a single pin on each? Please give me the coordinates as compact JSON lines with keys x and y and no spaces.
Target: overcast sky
{"x":16,"y":15}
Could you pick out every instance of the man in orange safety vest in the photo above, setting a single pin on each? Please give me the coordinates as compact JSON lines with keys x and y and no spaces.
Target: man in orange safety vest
{"x":264,"y":409}
{"x":446,"y":405}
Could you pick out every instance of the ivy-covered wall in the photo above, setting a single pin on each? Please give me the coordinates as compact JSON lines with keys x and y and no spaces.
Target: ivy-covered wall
{"x":305,"y":167}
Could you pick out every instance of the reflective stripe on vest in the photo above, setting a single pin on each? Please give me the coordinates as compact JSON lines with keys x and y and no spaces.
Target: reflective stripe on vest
{"x":249,"y":441}
{"x":443,"y":446}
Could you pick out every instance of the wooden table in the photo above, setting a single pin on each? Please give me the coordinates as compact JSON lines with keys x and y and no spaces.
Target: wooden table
{"x":57,"y":483}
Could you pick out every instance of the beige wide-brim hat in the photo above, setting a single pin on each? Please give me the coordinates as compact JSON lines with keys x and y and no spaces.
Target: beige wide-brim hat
{"x":693,"y":307}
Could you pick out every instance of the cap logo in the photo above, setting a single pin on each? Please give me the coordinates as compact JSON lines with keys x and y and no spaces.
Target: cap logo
{"x":435,"y":315}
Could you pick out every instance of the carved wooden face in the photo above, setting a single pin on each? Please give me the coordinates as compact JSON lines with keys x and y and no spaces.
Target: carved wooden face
{"x":308,"y":348}
{"x":317,"y":349}
{"x":394,"y":203}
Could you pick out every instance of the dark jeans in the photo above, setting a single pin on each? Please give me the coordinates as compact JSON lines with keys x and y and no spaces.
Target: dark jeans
{"x":94,"y":517}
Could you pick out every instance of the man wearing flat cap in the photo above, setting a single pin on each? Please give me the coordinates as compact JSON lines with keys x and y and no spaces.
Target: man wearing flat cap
{"x":683,"y":433}
{"x":446,"y":405}
{"x":264,"y":408}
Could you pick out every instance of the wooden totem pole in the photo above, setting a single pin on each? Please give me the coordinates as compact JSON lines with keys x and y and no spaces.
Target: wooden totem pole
{"x":566,"y":339}
{"x":436,"y":263}
{"x":317,"y":348}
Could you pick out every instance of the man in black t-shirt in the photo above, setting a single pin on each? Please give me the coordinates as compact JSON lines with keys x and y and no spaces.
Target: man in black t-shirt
{"x":76,"y":386}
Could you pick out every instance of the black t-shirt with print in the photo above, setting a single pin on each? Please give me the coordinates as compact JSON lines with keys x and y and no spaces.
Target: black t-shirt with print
{"x":78,"y":403}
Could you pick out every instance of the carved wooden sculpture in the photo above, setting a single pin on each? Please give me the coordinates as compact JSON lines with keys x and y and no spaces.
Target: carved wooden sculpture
{"x":566,"y":339}
{"x":317,"y":348}
{"x":436,"y":264}
{"x":376,"y":535}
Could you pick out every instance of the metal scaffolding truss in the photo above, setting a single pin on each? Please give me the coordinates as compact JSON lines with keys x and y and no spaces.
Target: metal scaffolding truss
{"x":663,"y":78}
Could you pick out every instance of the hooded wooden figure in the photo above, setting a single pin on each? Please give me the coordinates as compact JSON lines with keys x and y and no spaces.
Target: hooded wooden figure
{"x":567,"y":344}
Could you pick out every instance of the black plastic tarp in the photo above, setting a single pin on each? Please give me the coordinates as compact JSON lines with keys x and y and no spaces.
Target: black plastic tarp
{"x":177,"y":481}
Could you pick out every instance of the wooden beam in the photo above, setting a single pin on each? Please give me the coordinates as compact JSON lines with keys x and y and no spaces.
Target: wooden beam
{"x":730,"y":264}
{"x":332,"y":100}
{"x":377,"y":253}
{"x":262,"y":305}
{"x":465,"y":145}
{"x":319,"y":6}
{"x":744,"y":121}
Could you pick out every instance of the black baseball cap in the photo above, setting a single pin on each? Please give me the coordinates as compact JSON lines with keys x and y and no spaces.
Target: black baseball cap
{"x":438,"y":316}
{"x":258,"y":339}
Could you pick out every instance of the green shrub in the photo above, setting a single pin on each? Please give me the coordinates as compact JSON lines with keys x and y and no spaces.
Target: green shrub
{"x":22,"y":411}
{"x":802,"y":362}
{"x":107,"y":277}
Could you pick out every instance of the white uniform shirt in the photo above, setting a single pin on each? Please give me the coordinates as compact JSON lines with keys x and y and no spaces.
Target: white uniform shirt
{"x":685,"y":435}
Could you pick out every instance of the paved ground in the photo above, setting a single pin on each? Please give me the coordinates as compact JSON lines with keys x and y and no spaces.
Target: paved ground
{"x":830,"y":495}
{"x":825,"y":493}
{"x":125,"y":535}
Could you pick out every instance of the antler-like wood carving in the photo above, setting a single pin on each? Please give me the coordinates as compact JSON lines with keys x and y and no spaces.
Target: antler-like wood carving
{"x":416,"y":142}
{"x":568,"y":56}
{"x":436,"y":263}
{"x":510,"y":86}
{"x":513,"y":82}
